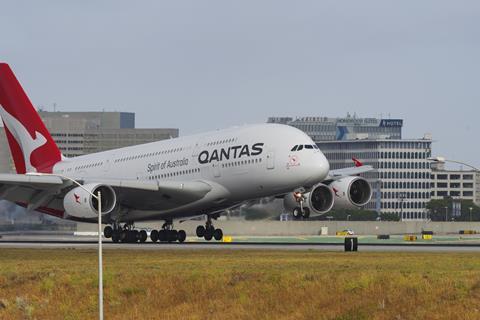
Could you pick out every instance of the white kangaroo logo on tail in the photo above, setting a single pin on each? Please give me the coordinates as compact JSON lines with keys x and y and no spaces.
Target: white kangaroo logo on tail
{"x":23,"y":137}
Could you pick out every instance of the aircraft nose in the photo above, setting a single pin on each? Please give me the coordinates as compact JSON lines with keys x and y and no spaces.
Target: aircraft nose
{"x":318,"y":169}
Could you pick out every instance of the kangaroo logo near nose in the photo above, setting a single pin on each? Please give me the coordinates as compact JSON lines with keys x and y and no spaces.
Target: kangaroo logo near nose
{"x":23,"y":137}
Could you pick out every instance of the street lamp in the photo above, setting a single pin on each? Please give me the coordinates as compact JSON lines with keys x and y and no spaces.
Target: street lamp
{"x":443,"y":160}
{"x":470,"y":213}
{"x":98,"y":196}
{"x":446,"y":214}
{"x":348,"y":217}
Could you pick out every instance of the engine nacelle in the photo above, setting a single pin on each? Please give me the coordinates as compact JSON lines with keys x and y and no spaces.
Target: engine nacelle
{"x":351,"y":192}
{"x":81,"y":204}
{"x":319,"y":200}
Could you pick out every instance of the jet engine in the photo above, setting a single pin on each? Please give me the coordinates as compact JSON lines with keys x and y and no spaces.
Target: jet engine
{"x":318,"y":201}
{"x":80,"y":203}
{"x":351,"y":192}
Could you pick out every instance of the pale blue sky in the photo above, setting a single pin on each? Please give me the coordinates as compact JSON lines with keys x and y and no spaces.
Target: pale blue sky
{"x":202,"y":65}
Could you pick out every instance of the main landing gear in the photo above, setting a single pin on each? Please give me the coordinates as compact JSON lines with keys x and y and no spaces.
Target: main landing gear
{"x":168,"y":234}
{"x":127,"y":234}
{"x":208,"y":232}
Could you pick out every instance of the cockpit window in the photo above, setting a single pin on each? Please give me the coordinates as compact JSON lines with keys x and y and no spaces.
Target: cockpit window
{"x":308,"y":146}
{"x":294,"y":148}
{"x":300,"y":147}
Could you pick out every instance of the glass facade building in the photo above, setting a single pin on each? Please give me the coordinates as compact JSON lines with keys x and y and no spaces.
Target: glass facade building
{"x":401,"y":181}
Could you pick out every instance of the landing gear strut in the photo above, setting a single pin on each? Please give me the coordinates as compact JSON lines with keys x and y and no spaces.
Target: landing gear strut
{"x":208,"y":232}
{"x":126,"y":234}
{"x":168,"y":234}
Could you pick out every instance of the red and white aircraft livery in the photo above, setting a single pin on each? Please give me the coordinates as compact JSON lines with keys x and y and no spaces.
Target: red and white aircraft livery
{"x":196,"y":175}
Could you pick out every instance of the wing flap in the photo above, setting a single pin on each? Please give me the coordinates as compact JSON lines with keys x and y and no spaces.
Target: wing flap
{"x":35,"y":181}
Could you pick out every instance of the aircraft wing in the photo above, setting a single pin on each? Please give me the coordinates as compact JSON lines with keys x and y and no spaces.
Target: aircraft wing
{"x":353,"y":171}
{"x":47,"y":191}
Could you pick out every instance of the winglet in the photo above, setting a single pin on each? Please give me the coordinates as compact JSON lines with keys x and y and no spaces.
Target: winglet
{"x":357,"y":162}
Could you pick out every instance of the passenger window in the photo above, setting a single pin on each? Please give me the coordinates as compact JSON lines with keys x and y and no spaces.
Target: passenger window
{"x":300,"y":147}
{"x":294,"y":148}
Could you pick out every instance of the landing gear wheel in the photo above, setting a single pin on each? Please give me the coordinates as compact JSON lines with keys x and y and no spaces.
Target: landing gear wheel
{"x":135,"y":236}
{"x":297,"y":213}
{"x":182,"y":235}
{"x":107,"y":232}
{"x":124,"y":236}
{"x":154,"y":235}
{"x":306,"y":213}
{"x":131,"y":237}
{"x":200,"y":231}
{"x":115,"y":237}
{"x":162,"y":235}
{"x":142,"y":236}
{"x":172,"y":235}
{"x":208,"y":234}
{"x":218,"y":234}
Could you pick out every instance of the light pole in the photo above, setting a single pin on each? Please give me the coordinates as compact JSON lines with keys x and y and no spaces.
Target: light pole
{"x":446,"y":214}
{"x":443,"y":160}
{"x":348,"y":217}
{"x":100,"y":251}
{"x":470,"y":213}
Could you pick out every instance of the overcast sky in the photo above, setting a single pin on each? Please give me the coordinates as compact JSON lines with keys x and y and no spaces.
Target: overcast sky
{"x":203,"y":65}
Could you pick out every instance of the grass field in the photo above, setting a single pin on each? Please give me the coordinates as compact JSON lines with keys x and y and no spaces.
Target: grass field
{"x":239,"y":284}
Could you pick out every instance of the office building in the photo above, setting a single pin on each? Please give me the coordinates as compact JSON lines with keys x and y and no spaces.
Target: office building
{"x":346,"y":128}
{"x":401,"y":181}
{"x":455,"y":184}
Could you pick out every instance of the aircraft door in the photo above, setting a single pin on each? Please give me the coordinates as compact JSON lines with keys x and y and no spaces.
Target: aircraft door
{"x":270,"y":160}
{"x":216,"y":170}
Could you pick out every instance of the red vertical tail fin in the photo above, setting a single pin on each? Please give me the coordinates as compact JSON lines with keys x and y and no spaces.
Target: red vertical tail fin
{"x":32,"y":147}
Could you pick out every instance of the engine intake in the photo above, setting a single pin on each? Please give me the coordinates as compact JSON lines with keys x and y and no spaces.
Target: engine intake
{"x":80,"y":203}
{"x":351,"y":192}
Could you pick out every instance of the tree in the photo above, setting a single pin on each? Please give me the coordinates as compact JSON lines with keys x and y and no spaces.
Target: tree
{"x":438,"y":209}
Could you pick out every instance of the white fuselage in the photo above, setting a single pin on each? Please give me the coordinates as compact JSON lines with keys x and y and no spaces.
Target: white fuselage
{"x":242,"y":163}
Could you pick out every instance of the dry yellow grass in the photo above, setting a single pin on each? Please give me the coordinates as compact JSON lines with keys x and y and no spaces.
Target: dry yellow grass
{"x":218,"y":284}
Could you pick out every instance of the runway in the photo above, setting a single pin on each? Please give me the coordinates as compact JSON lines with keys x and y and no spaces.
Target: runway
{"x":69,"y":242}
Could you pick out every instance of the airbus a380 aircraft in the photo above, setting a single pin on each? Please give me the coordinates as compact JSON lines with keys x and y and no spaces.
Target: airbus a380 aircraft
{"x":174,"y":179}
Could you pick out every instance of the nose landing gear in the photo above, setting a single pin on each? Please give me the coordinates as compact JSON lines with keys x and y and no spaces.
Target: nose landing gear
{"x":301,"y":211}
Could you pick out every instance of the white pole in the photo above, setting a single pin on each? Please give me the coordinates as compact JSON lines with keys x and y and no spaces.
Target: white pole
{"x":100,"y":262}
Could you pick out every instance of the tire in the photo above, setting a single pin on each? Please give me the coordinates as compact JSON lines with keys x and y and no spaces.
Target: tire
{"x":135,"y":236}
{"x":108,"y":232}
{"x":172,"y":235}
{"x":143,"y":236}
{"x":162,"y":235}
{"x":208,"y":234}
{"x":154,"y":235}
{"x":115,"y":237}
{"x":218,"y":234}
{"x":297,"y":213}
{"x":124,"y":236}
{"x":131,"y":237}
{"x":182,"y":235}
{"x":200,"y":231}
{"x":306,"y":213}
